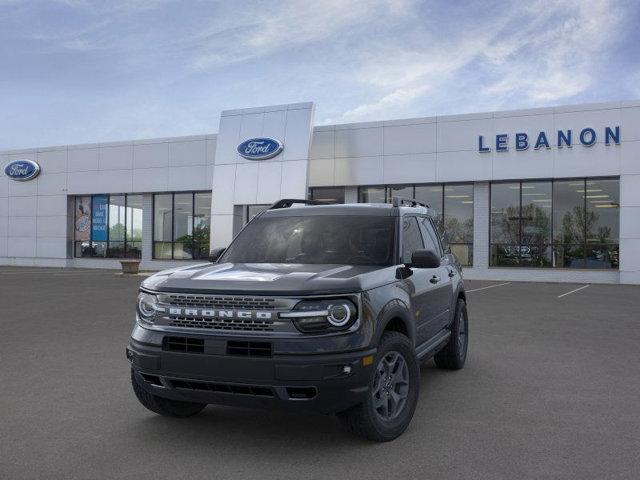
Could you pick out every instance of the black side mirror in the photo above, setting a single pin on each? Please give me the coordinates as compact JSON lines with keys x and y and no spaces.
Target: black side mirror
{"x":215,"y":254}
{"x":425,"y":259}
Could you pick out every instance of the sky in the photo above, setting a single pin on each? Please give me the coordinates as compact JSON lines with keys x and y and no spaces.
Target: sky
{"x":80,"y":71}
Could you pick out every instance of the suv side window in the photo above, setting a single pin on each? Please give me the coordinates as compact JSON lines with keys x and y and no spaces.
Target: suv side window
{"x":430,"y":238}
{"x":411,"y":238}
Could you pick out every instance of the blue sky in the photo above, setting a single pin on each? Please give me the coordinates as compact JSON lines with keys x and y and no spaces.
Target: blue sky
{"x":77,"y":71}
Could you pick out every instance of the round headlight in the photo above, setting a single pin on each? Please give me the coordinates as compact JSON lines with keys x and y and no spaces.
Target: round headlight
{"x":146,"y":305}
{"x":339,"y":315}
{"x":323,"y":315}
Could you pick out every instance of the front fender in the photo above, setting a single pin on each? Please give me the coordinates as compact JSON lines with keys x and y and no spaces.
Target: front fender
{"x":393,"y":310}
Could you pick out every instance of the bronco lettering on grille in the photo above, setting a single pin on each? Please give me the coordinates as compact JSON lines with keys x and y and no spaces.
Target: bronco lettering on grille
{"x":211,"y":313}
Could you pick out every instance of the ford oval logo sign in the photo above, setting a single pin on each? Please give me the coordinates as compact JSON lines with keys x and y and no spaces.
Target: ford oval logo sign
{"x":260,"y":148}
{"x":22,"y":170}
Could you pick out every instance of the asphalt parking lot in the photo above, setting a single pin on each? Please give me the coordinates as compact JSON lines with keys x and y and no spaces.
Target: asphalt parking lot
{"x":551,"y":390}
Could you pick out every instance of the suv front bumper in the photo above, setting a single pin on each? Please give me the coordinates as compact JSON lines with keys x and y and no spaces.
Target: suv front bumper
{"x":326,"y":383}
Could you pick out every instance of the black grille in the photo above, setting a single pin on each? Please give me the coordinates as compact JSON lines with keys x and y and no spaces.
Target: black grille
{"x":183,"y":344}
{"x":222,"y":323}
{"x":220,"y":302}
{"x":254,"y":390}
{"x":249,"y":349}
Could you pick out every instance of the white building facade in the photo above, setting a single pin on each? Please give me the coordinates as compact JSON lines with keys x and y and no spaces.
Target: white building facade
{"x":549,"y":194}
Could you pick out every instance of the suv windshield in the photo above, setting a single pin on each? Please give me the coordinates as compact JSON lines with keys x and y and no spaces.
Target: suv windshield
{"x":339,"y":239}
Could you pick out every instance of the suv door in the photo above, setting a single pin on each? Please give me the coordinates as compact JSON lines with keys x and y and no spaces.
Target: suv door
{"x":419,"y":284}
{"x":441,"y":295}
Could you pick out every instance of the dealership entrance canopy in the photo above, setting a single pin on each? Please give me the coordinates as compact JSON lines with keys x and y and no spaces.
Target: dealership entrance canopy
{"x":549,"y":194}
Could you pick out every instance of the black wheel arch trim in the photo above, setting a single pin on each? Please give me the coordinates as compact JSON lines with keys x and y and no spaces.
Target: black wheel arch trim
{"x":395,"y":309}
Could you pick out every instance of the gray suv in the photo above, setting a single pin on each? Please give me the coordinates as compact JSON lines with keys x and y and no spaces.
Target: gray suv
{"x":312,"y":307}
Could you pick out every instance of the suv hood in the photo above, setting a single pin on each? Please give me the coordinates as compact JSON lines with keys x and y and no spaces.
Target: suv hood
{"x":270,"y":279}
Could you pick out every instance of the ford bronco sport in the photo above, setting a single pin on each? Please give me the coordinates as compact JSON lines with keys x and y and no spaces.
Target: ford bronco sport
{"x":327,"y":308}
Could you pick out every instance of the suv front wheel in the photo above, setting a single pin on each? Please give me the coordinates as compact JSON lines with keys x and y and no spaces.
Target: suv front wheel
{"x":393,"y":392}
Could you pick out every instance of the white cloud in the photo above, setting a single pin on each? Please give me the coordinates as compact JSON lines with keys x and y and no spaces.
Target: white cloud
{"x":406,"y":76}
{"x":397,"y":98}
{"x":165,"y":67}
{"x":554,"y":63}
{"x":543,"y":52}
{"x":288,"y":24}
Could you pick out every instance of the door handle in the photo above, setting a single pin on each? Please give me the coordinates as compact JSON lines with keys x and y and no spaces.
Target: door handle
{"x":452,"y":273}
{"x":435,"y":279}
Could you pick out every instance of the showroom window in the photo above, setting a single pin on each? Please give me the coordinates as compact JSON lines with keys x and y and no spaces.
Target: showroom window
{"x":181,"y":225}
{"x":562,"y":224}
{"x":327,"y":194}
{"x":251,"y":211}
{"x":108,"y":226}
{"x":453,"y":206}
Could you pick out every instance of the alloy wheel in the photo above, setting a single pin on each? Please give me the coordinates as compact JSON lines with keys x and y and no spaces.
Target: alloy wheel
{"x":390,"y":386}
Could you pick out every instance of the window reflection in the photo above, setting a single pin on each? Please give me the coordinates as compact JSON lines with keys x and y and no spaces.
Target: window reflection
{"x":404,"y":191}
{"x":108,"y":226}
{"x":182,"y":225}
{"x":603,"y":211}
{"x":117,"y":219}
{"x":253,"y":210}
{"x":327,"y":194}
{"x":134,"y":226}
{"x":162,"y":225}
{"x":536,"y":200}
{"x":505,"y":224}
{"x":458,"y":220}
{"x":201,"y":224}
{"x":565,"y":224}
{"x":372,"y":195}
{"x":432,"y":195}
{"x":452,"y":204}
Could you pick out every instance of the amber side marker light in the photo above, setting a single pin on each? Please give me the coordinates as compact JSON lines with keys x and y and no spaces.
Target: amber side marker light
{"x":368,"y":360}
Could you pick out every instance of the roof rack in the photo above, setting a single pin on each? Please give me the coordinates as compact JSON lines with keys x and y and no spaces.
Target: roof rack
{"x":410,"y":202}
{"x":288,"y":202}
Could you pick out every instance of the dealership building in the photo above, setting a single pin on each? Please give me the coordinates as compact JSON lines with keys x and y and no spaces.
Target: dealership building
{"x":547,"y":194}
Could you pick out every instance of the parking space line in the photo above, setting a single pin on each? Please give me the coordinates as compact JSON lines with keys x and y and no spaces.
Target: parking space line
{"x":57,"y":273}
{"x":573,"y":291}
{"x":488,"y":286}
{"x":21,"y":271}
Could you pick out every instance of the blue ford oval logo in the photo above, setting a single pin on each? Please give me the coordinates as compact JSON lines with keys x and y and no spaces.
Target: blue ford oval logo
{"x":260,"y":148}
{"x":22,"y":170}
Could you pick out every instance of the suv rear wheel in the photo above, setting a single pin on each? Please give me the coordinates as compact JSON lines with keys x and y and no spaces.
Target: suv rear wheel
{"x":454,"y":354}
{"x":393,"y":392}
{"x":164,"y":406}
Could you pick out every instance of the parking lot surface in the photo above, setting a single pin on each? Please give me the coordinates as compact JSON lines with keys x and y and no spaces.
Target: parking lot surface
{"x":551,"y":390}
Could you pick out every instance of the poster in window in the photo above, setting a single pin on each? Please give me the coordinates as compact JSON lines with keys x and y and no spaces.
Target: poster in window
{"x":99,"y":218}
{"x":83,"y":219}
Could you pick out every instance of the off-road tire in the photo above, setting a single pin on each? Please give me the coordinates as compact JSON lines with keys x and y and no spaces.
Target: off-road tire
{"x":454,"y":354}
{"x":363,"y":420}
{"x":164,"y":406}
